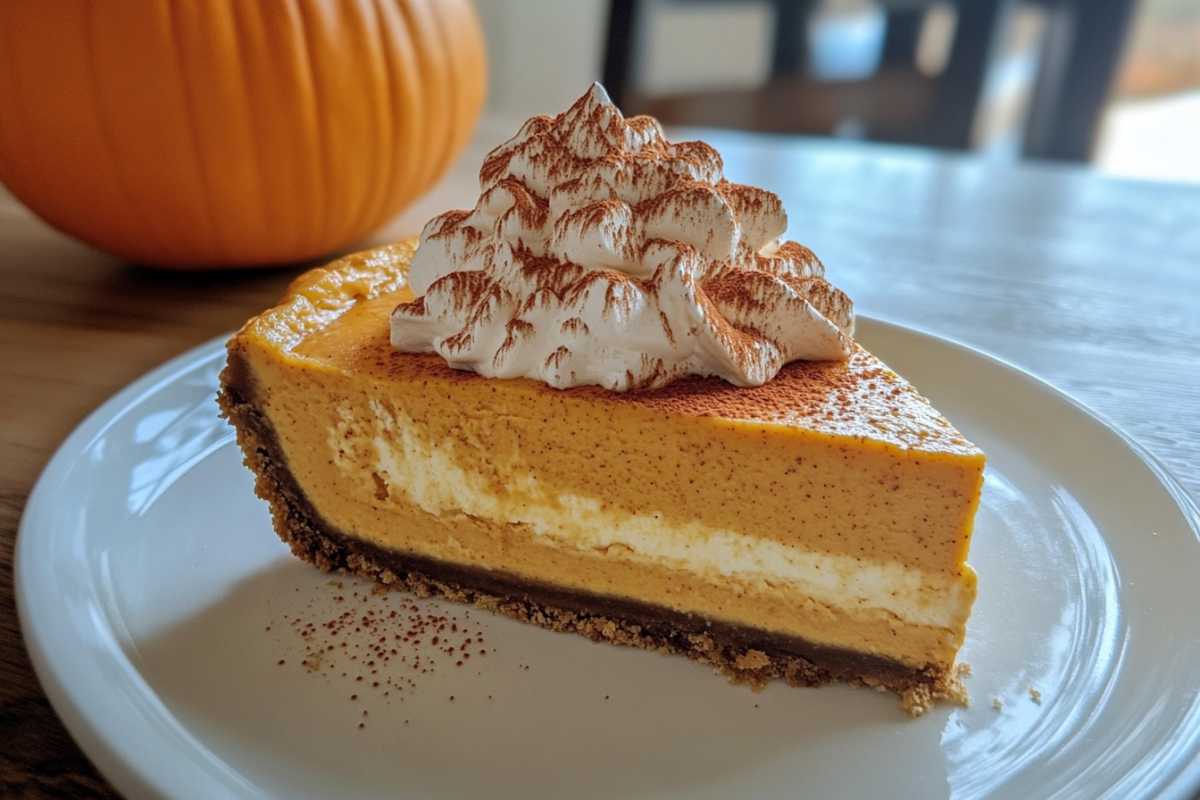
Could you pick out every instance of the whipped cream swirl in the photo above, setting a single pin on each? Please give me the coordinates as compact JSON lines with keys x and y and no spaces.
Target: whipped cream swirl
{"x":600,"y":253}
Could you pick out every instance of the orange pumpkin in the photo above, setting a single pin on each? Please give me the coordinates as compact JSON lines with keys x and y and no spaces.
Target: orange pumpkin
{"x":226,"y":133}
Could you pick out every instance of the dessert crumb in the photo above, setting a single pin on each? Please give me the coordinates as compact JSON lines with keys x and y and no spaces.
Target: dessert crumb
{"x":997,"y":704}
{"x":752,"y":660}
{"x":1035,"y":695}
{"x":949,"y":688}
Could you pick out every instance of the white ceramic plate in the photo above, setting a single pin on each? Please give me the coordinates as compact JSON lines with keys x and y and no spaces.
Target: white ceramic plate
{"x":147,"y":573}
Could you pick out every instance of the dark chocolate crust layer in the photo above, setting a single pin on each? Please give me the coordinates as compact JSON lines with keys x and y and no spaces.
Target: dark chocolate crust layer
{"x":745,"y":655}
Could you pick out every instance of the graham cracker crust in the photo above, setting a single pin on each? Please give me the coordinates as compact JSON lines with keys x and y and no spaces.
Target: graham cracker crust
{"x":743,"y":654}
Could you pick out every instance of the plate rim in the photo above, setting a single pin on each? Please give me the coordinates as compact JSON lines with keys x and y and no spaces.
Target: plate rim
{"x":130,"y":777}
{"x":127,"y":777}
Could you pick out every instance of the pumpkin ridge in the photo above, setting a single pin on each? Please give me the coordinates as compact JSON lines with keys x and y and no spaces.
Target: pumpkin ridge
{"x":429,"y":109}
{"x":54,"y":212}
{"x":302,"y":148}
{"x":320,"y":229}
{"x":8,"y":164}
{"x":445,"y":52}
{"x":189,"y":109}
{"x":405,"y":178}
{"x":381,"y":185}
{"x":264,"y":207}
{"x":107,"y":141}
{"x":344,"y":229}
{"x":18,"y":95}
{"x":358,"y":221}
{"x":117,"y":182}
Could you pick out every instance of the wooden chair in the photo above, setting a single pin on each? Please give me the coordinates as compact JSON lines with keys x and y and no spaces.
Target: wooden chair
{"x":1080,"y":55}
{"x":898,"y":103}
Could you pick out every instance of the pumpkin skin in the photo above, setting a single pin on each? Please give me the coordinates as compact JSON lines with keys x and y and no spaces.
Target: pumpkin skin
{"x":223,"y":133}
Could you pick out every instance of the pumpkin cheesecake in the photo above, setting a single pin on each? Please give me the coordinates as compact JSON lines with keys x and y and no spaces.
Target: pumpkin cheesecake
{"x":608,"y":400}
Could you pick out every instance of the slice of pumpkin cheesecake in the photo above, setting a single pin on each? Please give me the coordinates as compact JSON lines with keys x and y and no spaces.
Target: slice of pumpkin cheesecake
{"x":607,"y":400}
{"x":813,"y":528}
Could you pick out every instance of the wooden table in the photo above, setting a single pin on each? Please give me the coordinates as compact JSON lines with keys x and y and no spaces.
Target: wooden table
{"x":1091,"y":283}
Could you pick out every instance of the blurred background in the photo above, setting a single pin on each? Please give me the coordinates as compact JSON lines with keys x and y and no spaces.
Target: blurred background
{"x":1112,"y":83}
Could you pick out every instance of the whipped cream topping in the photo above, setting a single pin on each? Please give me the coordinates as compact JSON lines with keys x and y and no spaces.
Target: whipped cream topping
{"x":601,"y":253}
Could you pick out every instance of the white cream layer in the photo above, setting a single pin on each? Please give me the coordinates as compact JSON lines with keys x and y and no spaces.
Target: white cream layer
{"x":430,"y":477}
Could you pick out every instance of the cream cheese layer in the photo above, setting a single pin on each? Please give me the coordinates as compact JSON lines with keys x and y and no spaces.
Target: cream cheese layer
{"x":429,"y":476}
